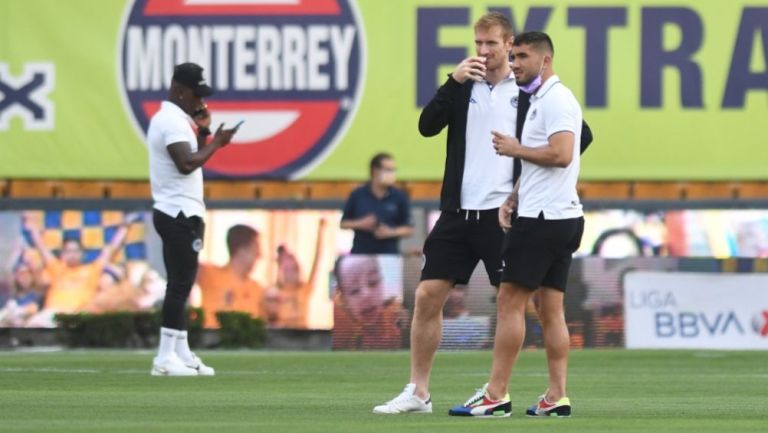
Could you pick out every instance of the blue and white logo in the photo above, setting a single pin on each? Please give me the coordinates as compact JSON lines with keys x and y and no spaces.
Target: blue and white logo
{"x":27,"y":96}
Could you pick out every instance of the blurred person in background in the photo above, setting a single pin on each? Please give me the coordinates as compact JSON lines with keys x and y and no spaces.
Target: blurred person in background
{"x":116,"y":293}
{"x":73,"y":283}
{"x":455,"y":306}
{"x":230,"y":287}
{"x":363,"y":318}
{"x":289,"y":299}
{"x":25,"y":301}
{"x":378,"y":212}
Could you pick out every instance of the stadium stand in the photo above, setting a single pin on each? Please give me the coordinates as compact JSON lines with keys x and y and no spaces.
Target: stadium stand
{"x":339,"y":190}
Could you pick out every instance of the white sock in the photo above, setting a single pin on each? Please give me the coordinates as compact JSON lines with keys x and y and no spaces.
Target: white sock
{"x":182,"y":347}
{"x":168,"y":339}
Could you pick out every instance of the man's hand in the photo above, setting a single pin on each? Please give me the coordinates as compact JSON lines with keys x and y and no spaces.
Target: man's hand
{"x":368,"y":223}
{"x":471,"y":68}
{"x":222,"y":136}
{"x":506,"y":145}
{"x":202,"y":117}
{"x":384,"y":231}
{"x":506,"y":210}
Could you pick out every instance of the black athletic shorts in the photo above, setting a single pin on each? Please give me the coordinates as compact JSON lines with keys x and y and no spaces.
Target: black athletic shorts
{"x":458,"y":241}
{"x":537,"y":252}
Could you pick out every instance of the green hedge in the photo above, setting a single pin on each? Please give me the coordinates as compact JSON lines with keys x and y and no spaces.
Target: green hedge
{"x":141,"y":329}
{"x":121,"y":329}
{"x":240,"y":330}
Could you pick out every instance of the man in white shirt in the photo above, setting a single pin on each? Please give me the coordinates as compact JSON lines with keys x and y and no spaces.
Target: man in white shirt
{"x":548,"y":229}
{"x":479,"y":96}
{"x":177,"y":138}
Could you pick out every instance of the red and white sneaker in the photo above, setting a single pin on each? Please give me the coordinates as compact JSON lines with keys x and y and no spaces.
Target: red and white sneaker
{"x":480,"y":405}
{"x":560,"y":408}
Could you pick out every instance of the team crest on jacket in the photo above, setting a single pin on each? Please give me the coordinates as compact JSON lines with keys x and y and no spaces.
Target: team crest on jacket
{"x":292,"y":70}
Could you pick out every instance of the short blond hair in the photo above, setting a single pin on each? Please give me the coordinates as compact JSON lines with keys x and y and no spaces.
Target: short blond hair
{"x":492,"y":19}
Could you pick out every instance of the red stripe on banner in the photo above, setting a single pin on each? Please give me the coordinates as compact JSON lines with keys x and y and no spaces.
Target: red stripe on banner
{"x":301,"y":7}
{"x":260,"y":157}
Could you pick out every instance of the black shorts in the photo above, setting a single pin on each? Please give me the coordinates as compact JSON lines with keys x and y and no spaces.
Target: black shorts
{"x":458,"y":241}
{"x":537,"y":252}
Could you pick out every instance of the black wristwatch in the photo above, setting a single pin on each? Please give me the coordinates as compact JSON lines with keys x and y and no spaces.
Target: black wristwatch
{"x":203,"y":131}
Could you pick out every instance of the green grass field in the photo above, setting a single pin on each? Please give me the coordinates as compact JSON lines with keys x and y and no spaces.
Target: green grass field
{"x":611,"y":391}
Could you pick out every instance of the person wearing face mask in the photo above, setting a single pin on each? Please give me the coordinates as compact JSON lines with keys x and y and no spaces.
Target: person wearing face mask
{"x":547,"y":231}
{"x":378,"y":212}
{"x":479,"y":96}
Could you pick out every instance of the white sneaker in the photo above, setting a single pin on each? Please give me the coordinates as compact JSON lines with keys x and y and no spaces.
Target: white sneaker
{"x":202,"y":369}
{"x":406,"y":402}
{"x":171,"y":365}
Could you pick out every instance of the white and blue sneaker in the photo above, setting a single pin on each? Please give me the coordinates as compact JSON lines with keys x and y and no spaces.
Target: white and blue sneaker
{"x":480,"y":405}
{"x":406,"y":402}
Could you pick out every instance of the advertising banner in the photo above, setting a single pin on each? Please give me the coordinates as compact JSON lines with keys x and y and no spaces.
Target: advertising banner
{"x":695,"y":310}
{"x":670,"y":91}
{"x":275,"y":265}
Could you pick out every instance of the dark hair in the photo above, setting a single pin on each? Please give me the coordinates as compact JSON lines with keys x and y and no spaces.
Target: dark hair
{"x":378,"y":158}
{"x":72,"y":238}
{"x":240,"y":236}
{"x":540,"y":41}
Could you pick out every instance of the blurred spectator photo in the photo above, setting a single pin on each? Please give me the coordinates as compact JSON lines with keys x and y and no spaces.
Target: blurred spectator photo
{"x":230,"y":287}
{"x":74,"y":283}
{"x":364,"y":316}
{"x":115,"y":292}
{"x":26,"y":299}
{"x":289,"y":299}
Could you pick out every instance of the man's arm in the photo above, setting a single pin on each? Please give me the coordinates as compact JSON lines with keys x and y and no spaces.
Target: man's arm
{"x":586,"y":136}
{"x":313,"y":273}
{"x":37,"y":240}
{"x":349,"y":221}
{"x":367,"y":223}
{"x":109,"y":250}
{"x":404,"y":228}
{"x":385,"y":232}
{"x":558,"y":152}
{"x":509,"y":207}
{"x":187,"y":161}
{"x":437,"y":114}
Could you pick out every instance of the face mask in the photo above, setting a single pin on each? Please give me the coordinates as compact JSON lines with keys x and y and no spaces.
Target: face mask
{"x":387,"y":177}
{"x":535,"y":84}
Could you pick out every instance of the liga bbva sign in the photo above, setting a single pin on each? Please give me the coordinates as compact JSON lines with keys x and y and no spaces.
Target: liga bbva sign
{"x":670,"y":90}
{"x":678,"y":310}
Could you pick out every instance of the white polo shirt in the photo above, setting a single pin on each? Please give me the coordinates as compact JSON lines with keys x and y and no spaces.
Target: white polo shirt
{"x":172,"y":191}
{"x":487,"y":178}
{"x":551,"y":190}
